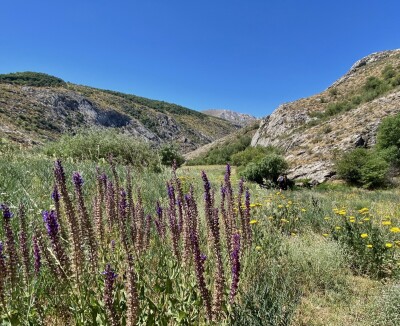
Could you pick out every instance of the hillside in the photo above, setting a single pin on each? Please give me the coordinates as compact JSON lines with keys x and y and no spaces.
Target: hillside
{"x":240,"y":119}
{"x":37,"y":107}
{"x":314,"y":131}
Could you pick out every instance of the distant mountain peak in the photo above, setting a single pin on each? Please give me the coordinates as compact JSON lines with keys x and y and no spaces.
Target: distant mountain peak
{"x":241,"y":119}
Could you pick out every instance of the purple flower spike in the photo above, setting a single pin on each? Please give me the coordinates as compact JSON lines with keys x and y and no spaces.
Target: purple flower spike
{"x":6,"y":212}
{"x":235,"y":258}
{"x":50,"y":218}
{"x":55,"y":195}
{"x":77,"y":179}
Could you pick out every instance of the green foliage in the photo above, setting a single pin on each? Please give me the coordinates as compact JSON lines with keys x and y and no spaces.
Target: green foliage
{"x":267,"y":168}
{"x":388,"y":137}
{"x":222,"y":154}
{"x":169,"y":153}
{"x":99,"y":144}
{"x":362,"y":167}
{"x":158,"y":105}
{"x":252,"y":154}
{"x":31,"y":79}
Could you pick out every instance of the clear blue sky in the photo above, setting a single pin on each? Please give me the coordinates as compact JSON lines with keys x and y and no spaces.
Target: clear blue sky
{"x":248,"y":56}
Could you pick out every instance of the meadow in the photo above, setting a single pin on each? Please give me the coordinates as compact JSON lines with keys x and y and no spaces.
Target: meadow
{"x":97,"y":243}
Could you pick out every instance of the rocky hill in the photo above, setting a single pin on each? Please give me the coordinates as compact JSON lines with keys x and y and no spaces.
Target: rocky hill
{"x":36,"y":107}
{"x":240,"y":119}
{"x":314,"y":131}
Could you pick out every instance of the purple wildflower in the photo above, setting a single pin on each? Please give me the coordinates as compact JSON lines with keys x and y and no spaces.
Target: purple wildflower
{"x":109,"y":281}
{"x":235,"y":259}
{"x":36,"y":255}
{"x":7,"y":215}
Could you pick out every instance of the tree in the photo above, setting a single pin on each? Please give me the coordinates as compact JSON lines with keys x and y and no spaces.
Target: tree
{"x":169,"y":153}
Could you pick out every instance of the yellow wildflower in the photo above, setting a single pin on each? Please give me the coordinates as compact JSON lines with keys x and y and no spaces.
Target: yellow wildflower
{"x":283,"y":220}
{"x":389,"y":245}
{"x":395,"y":229}
{"x":369,"y":245}
{"x":338,"y":227}
{"x":258,"y":248}
{"x":364,"y":235}
{"x":386,"y":223}
{"x":280,"y":206}
{"x":303,"y":210}
{"x":253,"y":222}
{"x":366,"y":218}
{"x":327,"y":218}
{"x":325,"y":234}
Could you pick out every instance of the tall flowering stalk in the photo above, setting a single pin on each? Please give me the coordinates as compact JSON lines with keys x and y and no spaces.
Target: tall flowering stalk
{"x":98,"y":203}
{"x":55,"y":196}
{"x":244,"y":224}
{"x":140,"y":222}
{"x":231,"y":216}
{"x":110,"y":205}
{"x":219,"y":276}
{"x":87,"y":230}
{"x":132,"y":301}
{"x":3,"y":273}
{"x":123,"y":225}
{"x":37,"y":257}
{"x":109,"y":280}
{"x":172,"y":220}
{"x":116,"y":179}
{"x":227,"y":221}
{"x":199,"y":260}
{"x":71,"y":216}
{"x":208,"y":203}
{"x":159,"y":221}
{"x":23,"y":241}
{"x":50,"y":219}
{"x":10,"y":244}
{"x":247,"y":217}
{"x":179,"y":194}
{"x":235,"y":259}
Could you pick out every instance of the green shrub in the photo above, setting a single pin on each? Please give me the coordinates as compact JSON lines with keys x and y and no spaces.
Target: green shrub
{"x":388,"y":137}
{"x":252,"y":154}
{"x":169,"y":153}
{"x":268,"y":168}
{"x":31,"y":79}
{"x":363,"y":167}
{"x":99,"y":144}
{"x":222,"y":154}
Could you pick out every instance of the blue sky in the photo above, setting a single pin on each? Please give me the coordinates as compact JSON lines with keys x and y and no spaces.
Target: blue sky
{"x":247,"y":56}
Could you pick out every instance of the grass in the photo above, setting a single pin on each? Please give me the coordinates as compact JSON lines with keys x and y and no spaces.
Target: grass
{"x":299,"y":270}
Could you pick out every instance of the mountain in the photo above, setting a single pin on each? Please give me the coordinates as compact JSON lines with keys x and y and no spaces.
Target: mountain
{"x":314,"y":131}
{"x":240,"y":119}
{"x":36,"y":107}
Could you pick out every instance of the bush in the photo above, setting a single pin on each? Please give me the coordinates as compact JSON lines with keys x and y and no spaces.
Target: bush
{"x":268,"y":168}
{"x":97,"y":144}
{"x":169,"y":153}
{"x":31,"y":79}
{"x":252,"y":154}
{"x":362,"y":167}
{"x":388,"y":137}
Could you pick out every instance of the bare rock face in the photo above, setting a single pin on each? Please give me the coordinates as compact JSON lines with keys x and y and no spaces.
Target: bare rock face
{"x":240,"y":119}
{"x":312,"y":145}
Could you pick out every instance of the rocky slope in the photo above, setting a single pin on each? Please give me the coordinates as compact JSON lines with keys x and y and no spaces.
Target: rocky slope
{"x":314,"y":131}
{"x":36,"y":107}
{"x":240,"y":119}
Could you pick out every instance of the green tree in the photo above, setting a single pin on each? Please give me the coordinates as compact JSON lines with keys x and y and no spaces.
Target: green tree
{"x":169,"y":153}
{"x":388,"y":137}
{"x":268,"y":168}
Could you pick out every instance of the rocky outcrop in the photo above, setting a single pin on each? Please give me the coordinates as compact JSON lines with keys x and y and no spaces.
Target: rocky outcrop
{"x":312,"y":144}
{"x":240,"y":119}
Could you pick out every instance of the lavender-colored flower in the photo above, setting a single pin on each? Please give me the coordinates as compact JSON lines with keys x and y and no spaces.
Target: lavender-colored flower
{"x":235,"y":260}
{"x":7,"y":215}
{"x":10,"y":243}
{"x":77,"y":179}
{"x":23,"y":241}
{"x":132,"y":301}
{"x":50,"y":219}
{"x":55,"y":195}
{"x":109,"y":281}
{"x":36,"y":255}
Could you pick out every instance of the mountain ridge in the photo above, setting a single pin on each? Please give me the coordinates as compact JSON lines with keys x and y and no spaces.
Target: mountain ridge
{"x":33,"y":114}
{"x":314,"y":131}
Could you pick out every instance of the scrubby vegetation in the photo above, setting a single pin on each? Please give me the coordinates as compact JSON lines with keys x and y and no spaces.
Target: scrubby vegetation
{"x":141,"y":262}
{"x":372,"y":89}
{"x":31,"y":79}
{"x":370,"y":167}
{"x":99,"y":144}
